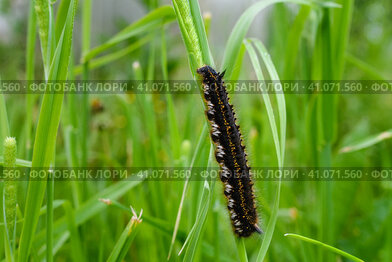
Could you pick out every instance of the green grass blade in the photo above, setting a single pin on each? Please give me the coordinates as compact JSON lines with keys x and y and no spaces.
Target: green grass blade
{"x":45,"y":139}
{"x":201,"y":216}
{"x":49,"y":217}
{"x":76,"y":245}
{"x":370,"y":70}
{"x":109,"y":58}
{"x":367,"y":142}
{"x":153,"y":20}
{"x":279,"y":143}
{"x":8,"y":200}
{"x":91,"y":207}
{"x":342,"y":35}
{"x":160,"y":224}
{"x":171,"y":116}
{"x":59,"y":65}
{"x":195,"y":233}
{"x":293,"y":42}
{"x":70,"y":141}
{"x":243,"y":24}
{"x":19,"y":162}
{"x":328,"y":247}
{"x":61,"y":17}
{"x":198,"y":150}
{"x":124,"y":242}
{"x":327,"y":125}
{"x":86,"y":26}
{"x":4,"y":127}
{"x":42,"y":10}
{"x":238,"y":64}
{"x":190,"y":32}
{"x":279,"y":96}
{"x":242,"y":250}
{"x":266,"y":98}
{"x":84,"y":117}
{"x":239,"y":32}
{"x":30,"y":67}
{"x":30,"y":42}
{"x":201,"y":32}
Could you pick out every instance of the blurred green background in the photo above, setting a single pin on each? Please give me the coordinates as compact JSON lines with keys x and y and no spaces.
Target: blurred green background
{"x":142,"y":130}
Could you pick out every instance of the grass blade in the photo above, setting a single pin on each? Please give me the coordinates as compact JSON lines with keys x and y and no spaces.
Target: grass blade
{"x":189,"y":33}
{"x":194,"y":235}
{"x":42,"y":9}
{"x":201,"y":32}
{"x":279,"y":143}
{"x":109,"y":58}
{"x":45,"y":139}
{"x":279,"y":96}
{"x":154,"y":19}
{"x":242,"y":250}
{"x":124,"y":242}
{"x":266,"y":98}
{"x":19,"y":162}
{"x":49,"y":217}
{"x":201,"y":216}
{"x":30,"y":67}
{"x":367,"y":142}
{"x":91,"y":207}
{"x":196,"y":155}
{"x":171,"y":116}
{"x":8,"y":203}
{"x":243,"y":24}
{"x":76,"y":245}
{"x":328,"y":247}
{"x":370,"y":70}
{"x":342,"y":35}
{"x":293,"y":42}
{"x":61,"y":17}
{"x":4,"y":128}
{"x":86,"y":26}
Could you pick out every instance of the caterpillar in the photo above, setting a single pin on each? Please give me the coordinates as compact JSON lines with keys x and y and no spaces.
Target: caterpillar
{"x":230,"y":154}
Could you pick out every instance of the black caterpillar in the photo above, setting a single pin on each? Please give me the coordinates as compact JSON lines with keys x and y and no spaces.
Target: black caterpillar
{"x":230,"y":154}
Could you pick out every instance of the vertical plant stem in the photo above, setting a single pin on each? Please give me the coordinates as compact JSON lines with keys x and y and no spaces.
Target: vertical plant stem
{"x":198,"y":150}
{"x":148,"y":108}
{"x":42,"y":10}
{"x":45,"y":139}
{"x":157,"y":189}
{"x":327,"y":128}
{"x":30,"y":66}
{"x":84,"y":120}
{"x":71,"y":140}
{"x":198,"y":22}
{"x":49,"y":217}
{"x":342,"y":34}
{"x":86,"y":26}
{"x":4,"y":132}
{"x":9,"y":197}
{"x":172,"y":121}
{"x":189,"y":33}
{"x":242,"y":250}
{"x":4,"y":127}
{"x":76,"y":245}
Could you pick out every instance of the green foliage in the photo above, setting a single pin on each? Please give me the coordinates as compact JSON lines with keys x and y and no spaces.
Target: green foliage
{"x":187,"y":219}
{"x":4,"y":127}
{"x":8,"y":202}
{"x":44,"y":146}
{"x":151,"y":21}
{"x":315,"y":242}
